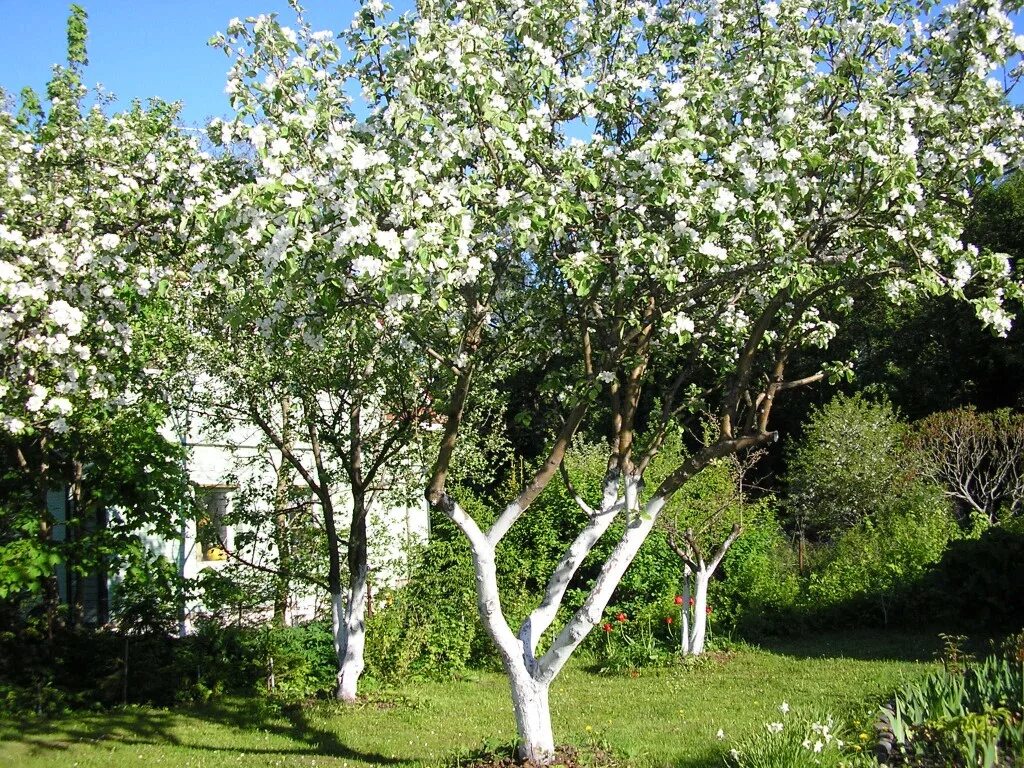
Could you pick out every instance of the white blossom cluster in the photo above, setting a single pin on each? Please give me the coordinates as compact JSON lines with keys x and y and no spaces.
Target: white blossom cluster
{"x":626,"y":170}
{"x":93,"y":210}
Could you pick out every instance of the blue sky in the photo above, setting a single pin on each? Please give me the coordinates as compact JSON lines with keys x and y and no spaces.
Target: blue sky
{"x":143,"y":48}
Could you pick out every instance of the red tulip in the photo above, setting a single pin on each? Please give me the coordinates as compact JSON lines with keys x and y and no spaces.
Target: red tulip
{"x":606,"y":627}
{"x":620,"y":617}
{"x":679,"y":599}
{"x":668,"y":619}
{"x":691,"y":602}
{"x":708,"y":610}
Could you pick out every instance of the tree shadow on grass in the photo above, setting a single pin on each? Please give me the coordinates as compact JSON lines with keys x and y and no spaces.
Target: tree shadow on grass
{"x":860,"y":644}
{"x":293,"y":722}
{"x":125,"y":726}
{"x":155,"y":727}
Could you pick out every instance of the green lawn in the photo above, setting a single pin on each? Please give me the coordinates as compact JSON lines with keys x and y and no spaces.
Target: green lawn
{"x":663,"y":717}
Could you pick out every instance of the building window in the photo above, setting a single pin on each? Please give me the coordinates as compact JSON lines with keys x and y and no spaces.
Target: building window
{"x":213,"y":532}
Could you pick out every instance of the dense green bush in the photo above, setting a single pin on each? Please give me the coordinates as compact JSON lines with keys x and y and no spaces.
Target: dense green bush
{"x":850,"y":464}
{"x":83,"y":667}
{"x":976,"y":585}
{"x":871,"y":569}
{"x":759,"y":582}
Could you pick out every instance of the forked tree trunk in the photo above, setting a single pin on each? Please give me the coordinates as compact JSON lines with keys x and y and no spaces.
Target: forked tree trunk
{"x":530,"y":677}
{"x":698,"y":572}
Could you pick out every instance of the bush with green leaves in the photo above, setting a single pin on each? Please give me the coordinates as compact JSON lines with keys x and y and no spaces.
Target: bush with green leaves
{"x":849,"y":464}
{"x":760,"y":582}
{"x":872,"y":567}
{"x":876,"y":524}
{"x":976,"y":583}
{"x":149,"y":595}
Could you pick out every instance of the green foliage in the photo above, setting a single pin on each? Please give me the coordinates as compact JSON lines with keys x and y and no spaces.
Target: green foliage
{"x":848,"y":465}
{"x":124,"y":472}
{"x":874,"y":564}
{"x":301,"y":661}
{"x":150,"y":595}
{"x":975,"y":583}
{"x":961,"y":717}
{"x":998,"y":215}
{"x":430,"y":626}
{"x":759,"y":579}
{"x":634,"y":643}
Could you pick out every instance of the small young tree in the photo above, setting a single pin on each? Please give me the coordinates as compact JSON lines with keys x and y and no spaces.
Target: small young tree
{"x":747,"y":166}
{"x":702,"y":526}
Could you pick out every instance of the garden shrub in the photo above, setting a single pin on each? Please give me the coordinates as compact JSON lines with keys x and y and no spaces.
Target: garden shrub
{"x":637,"y":642}
{"x":78,"y":668}
{"x":976,"y":585}
{"x":760,"y":583}
{"x":430,"y":626}
{"x":849,"y":464}
{"x":873,"y":567}
{"x":301,"y":659}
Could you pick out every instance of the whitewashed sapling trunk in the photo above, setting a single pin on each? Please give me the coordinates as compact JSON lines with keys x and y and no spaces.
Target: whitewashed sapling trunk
{"x":700,"y":617}
{"x":698,"y":573}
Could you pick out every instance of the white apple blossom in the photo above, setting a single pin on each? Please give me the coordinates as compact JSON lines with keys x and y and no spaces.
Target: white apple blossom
{"x":102,"y":197}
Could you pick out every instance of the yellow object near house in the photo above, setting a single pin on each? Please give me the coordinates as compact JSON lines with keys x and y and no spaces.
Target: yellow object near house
{"x":215,"y":553}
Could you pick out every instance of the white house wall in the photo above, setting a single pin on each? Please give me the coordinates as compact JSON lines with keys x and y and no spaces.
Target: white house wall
{"x":239,"y":458}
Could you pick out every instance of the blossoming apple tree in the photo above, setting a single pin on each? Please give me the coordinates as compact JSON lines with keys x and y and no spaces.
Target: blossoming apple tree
{"x":661,"y":197}
{"x":335,"y":388}
{"x":94,"y":212}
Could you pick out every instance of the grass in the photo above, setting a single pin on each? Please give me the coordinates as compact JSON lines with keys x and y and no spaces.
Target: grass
{"x":657,"y":718}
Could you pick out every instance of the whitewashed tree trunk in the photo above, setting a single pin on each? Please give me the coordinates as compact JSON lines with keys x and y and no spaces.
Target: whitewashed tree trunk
{"x":700,"y":571}
{"x":684,"y":614}
{"x":698,"y":635}
{"x":533,"y":719}
{"x":351,"y":651}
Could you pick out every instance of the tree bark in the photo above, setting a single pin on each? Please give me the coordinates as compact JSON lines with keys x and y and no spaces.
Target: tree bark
{"x":698,"y":635}
{"x":282,"y":524}
{"x":350,"y":661}
{"x":533,"y":718}
{"x":684,"y":614}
